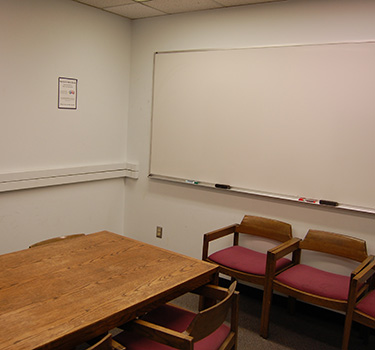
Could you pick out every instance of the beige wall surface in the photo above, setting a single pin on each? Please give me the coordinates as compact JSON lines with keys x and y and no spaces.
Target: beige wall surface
{"x":186,"y":212}
{"x":112,"y":58}
{"x":41,"y":41}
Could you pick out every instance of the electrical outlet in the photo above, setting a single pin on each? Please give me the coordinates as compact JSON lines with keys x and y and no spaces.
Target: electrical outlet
{"x":159,"y":231}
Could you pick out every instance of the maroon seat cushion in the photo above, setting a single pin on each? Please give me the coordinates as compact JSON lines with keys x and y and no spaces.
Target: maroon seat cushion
{"x":315,"y":281}
{"x":245,"y":260}
{"x":367,"y":304}
{"x":174,"y":318}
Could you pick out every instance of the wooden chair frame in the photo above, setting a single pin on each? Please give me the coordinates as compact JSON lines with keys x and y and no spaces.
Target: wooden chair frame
{"x":365,"y":276}
{"x":325,"y":242}
{"x":107,"y":343}
{"x":251,"y":225}
{"x":201,"y":326}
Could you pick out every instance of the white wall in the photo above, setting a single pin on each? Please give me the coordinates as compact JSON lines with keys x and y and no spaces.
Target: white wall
{"x":42,"y":40}
{"x":33,"y":215}
{"x":186,"y":212}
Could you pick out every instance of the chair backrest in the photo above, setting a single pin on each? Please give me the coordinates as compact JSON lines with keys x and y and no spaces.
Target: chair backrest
{"x":56,"y":239}
{"x":103,"y":344}
{"x":335,"y":244}
{"x":208,"y":320}
{"x":265,"y":227}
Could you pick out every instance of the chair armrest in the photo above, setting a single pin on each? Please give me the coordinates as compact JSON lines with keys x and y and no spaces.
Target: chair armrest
{"x":274,"y":254}
{"x":117,"y":346}
{"x":211,"y":291}
{"x":365,"y":265}
{"x":219,"y":233}
{"x":360,"y":284}
{"x":160,"y":334}
{"x":365,"y":270}
{"x":285,"y":248}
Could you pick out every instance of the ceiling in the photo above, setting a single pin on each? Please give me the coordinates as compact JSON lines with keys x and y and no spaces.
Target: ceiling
{"x":135,"y":9}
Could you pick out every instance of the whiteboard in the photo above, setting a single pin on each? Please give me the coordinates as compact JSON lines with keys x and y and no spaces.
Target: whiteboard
{"x":294,"y":120}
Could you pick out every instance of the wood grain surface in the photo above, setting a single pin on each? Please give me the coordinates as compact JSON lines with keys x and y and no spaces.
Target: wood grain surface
{"x":62,"y":294}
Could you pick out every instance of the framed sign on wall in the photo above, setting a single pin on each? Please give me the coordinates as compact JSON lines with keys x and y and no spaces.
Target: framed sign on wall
{"x":67,"y":93}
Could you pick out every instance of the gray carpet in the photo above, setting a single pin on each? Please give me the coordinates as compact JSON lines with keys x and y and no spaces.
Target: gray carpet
{"x":309,"y":328}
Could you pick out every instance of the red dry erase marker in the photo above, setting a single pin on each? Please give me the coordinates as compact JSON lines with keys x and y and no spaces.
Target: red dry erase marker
{"x":307,"y":200}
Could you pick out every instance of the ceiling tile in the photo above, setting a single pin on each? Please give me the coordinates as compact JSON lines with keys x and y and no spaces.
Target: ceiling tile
{"x":135,"y":11}
{"x":178,"y":6}
{"x":151,"y":8}
{"x":105,"y":3}
{"x":243,"y":2}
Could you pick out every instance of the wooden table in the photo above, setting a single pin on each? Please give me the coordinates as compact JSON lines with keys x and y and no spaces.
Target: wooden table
{"x":62,"y":294}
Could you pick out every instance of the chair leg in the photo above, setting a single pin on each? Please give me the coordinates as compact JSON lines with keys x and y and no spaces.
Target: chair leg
{"x":234,"y":318}
{"x":266,"y":308}
{"x":349,"y":314}
{"x":267,"y":294}
{"x":346,"y":336}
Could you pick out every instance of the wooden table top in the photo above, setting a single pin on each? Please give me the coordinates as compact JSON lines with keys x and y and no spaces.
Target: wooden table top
{"x":61,"y":294}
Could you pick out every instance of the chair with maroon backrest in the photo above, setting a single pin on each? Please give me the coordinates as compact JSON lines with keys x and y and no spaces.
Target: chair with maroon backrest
{"x":361,"y":306}
{"x":310,"y":284}
{"x":243,"y":263}
{"x":173,"y":327}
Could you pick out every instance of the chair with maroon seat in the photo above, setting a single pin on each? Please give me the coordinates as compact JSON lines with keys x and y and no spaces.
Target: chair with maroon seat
{"x":173,"y":327}
{"x":243,"y":263}
{"x":310,"y":284}
{"x":361,"y":307}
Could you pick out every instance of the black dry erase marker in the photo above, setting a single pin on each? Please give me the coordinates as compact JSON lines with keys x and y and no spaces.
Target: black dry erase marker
{"x":225,"y":187}
{"x":330,"y":203}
